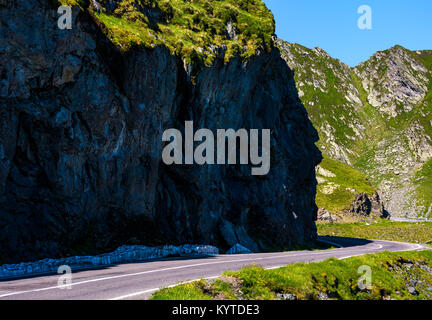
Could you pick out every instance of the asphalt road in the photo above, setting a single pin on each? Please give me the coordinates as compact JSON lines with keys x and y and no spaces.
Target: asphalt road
{"x":140,"y":280}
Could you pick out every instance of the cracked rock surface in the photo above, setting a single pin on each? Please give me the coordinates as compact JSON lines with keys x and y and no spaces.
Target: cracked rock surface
{"x":80,"y":145}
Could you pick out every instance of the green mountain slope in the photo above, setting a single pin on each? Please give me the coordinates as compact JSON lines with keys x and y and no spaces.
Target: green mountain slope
{"x":338,"y":185}
{"x":375,"y":117}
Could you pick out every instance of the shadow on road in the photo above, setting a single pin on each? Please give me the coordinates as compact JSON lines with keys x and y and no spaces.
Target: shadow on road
{"x":319,"y":245}
{"x":343,"y":241}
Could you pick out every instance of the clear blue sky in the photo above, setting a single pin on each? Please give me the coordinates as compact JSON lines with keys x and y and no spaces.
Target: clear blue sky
{"x":332,"y":25}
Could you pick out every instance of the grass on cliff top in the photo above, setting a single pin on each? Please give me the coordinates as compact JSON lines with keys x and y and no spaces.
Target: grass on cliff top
{"x":191,"y":29}
{"x":346,"y":179}
{"x":381,"y":230}
{"x":337,"y":279}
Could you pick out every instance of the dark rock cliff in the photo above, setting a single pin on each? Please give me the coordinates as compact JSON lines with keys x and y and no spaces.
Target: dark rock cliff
{"x":80,"y":145}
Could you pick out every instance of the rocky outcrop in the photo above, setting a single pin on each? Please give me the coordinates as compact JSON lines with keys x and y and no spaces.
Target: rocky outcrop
{"x":394,"y":80}
{"x":324,"y":215}
{"x":361,"y":205}
{"x":366,"y":205}
{"x":81,"y":128}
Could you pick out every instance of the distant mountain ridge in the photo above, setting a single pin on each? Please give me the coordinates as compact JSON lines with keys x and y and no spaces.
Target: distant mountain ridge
{"x":375,"y":117}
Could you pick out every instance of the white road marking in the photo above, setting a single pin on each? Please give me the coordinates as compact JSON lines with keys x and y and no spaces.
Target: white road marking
{"x":159,"y":270}
{"x":165,"y":269}
{"x":213,"y":277}
{"x":415,"y":248}
{"x":174,"y":285}
{"x":193,"y":265}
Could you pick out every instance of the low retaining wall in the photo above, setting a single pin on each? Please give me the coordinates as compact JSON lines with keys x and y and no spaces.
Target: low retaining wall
{"x":124,"y":254}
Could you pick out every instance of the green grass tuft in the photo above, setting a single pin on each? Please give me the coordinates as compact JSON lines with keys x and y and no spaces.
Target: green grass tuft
{"x":188,"y":291}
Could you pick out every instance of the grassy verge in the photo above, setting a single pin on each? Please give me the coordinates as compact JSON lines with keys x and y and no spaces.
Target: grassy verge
{"x":382,"y":230}
{"x":401,"y":276}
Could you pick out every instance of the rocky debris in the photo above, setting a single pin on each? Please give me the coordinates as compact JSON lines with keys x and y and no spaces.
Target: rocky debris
{"x":324,"y":215}
{"x":426,"y":268}
{"x":323,"y":172}
{"x":81,"y":128}
{"x":238,"y":249}
{"x":413,"y":291}
{"x":329,"y":188}
{"x":394,"y":80}
{"x":419,"y":142}
{"x":322,"y":296}
{"x":286,"y":296}
{"x":412,"y":273}
{"x":395,"y":159}
{"x":321,"y":180}
{"x":124,"y":254}
{"x":235,"y":284}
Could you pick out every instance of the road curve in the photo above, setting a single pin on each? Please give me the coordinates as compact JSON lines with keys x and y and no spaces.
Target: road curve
{"x":140,"y":280}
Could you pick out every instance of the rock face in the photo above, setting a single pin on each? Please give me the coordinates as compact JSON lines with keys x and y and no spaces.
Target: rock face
{"x":324,"y":215}
{"x":238,"y":249}
{"x":394,"y":80}
{"x":80,"y":144}
{"x":365,"y":205}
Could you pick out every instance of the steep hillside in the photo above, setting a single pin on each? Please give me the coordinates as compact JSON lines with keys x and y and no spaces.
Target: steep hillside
{"x":82,"y":117}
{"x":338,"y":185}
{"x":375,"y":117}
{"x":328,"y":90}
